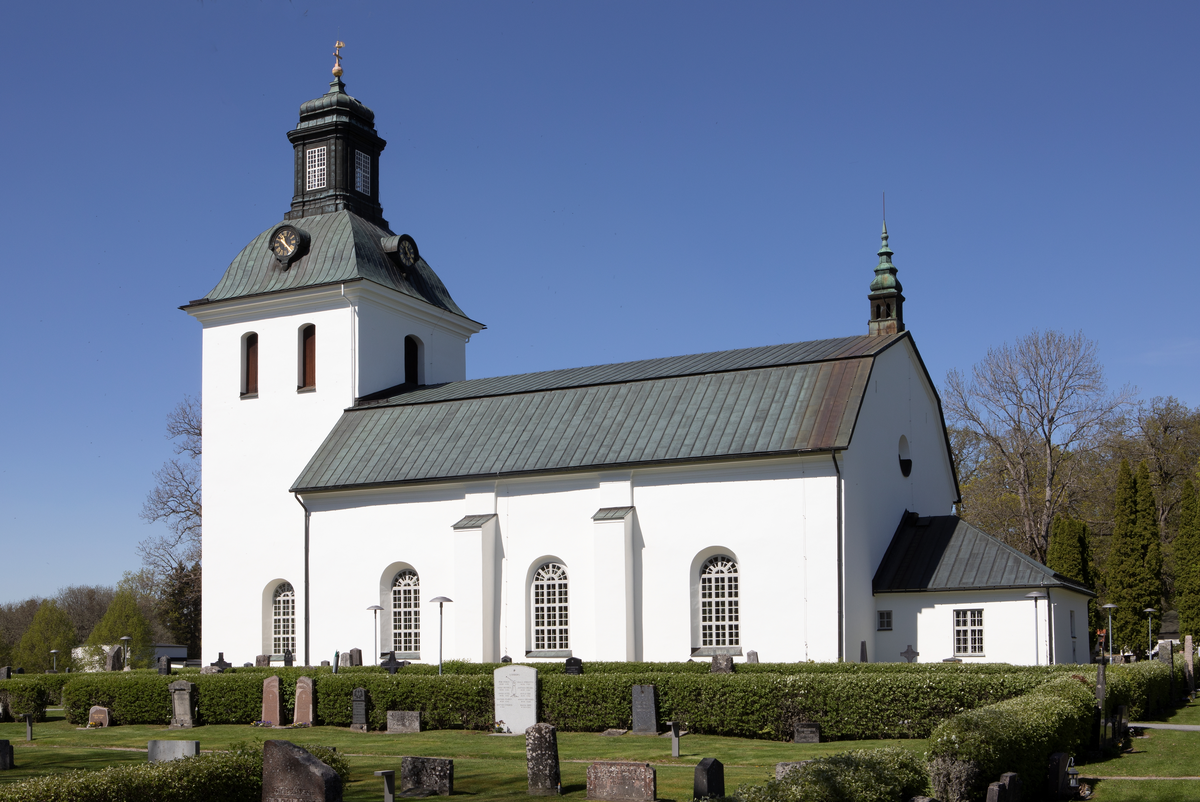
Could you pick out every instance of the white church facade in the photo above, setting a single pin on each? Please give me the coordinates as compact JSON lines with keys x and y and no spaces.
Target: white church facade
{"x":794,"y":500}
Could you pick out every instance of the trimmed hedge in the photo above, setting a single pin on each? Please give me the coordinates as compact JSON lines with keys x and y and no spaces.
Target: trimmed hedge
{"x":133,"y":698}
{"x":974,"y":748}
{"x":25,"y":694}
{"x":860,"y":775}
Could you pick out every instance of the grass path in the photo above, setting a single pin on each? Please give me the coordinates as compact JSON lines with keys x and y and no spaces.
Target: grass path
{"x":1163,"y":766}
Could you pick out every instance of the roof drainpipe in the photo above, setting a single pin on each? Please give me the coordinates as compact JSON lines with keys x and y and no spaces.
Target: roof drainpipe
{"x":841,"y":611}
{"x":307,"y":516}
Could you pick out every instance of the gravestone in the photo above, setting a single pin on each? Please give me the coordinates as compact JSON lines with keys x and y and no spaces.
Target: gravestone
{"x":403,"y":721}
{"x":358,"y":710}
{"x":710,"y":779}
{"x":673,"y":731}
{"x":1056,"y":775}
{"x":290,"y":774}
{"x":356,"y":657}
{"x":541,"y":760}
{"x":208,"y":670}
{"x":262,"y":660}
{"x":114,"y":659}
{"x":806,"y":732}
{"x":506,"y":659}
{"x":6,"y":756}
{"x":1121,"y":725}
{"x":997,"y":792}
{"x":515,"y":690}
{"x":28,"y":726}
{"x":183,"y":705}
{"x":163,"y":751}
{"x":573,"y":666}
{"x":426,"y":774}
{"x":18,"y":670}
{"x":721,"y":664}
{"x":6,"y":672}
{"x":324,"y":664}
{"x":645,"y":710}
{"x":910,"y":653}
{"x":99,"y":716}
{"x":1013,"y":783}
{"x":344,"y":660}
{"x":392,"y":665}
{"x":164,"y":665}
{"x":247,"y":665}
{"x":782,"y":769}
{"x":272,"y":712}
{"x":862,"y":653}
{"x":221,"y":664}
{"x":389,"y":784}
{"x":751,"y":657}
{"x":288,"y":660}
{"x":304,"y":702}
{"x":615,"y":779}
{"x":1188,"y":667}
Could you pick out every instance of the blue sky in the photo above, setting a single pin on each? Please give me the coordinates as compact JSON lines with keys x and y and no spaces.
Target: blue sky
{"x":596,"y":182}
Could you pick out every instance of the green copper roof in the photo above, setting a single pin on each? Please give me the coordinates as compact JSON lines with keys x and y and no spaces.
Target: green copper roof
{"x":343,"y":247}
{"x":885,"y":272}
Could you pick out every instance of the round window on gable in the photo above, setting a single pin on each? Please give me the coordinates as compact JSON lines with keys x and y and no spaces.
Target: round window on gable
{"x":905,"y":457}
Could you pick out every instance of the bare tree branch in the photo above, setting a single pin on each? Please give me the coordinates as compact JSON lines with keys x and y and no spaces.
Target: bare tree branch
{"x":176,"y":497}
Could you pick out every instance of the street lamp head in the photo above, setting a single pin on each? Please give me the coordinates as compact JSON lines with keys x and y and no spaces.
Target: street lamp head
{"x":54,"y":651}
{"x":1109,"y":606}
{"x":1150,"y":610}
{"x":375,"y":607}
{"x":440,"y":599}
{"x":1036,"y":594}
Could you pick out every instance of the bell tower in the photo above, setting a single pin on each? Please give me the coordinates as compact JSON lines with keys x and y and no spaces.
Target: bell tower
{"x":886,"y":300}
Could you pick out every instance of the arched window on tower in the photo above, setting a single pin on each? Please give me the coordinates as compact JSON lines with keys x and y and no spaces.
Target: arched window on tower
{"x":719,"y":602}
{"x":549,"y":608}
{"x":250,"y":364}
{"x":412,"y":360}
{"x":406,"y":613}
{"x":308,"y":358}
{"x":283,"y":619}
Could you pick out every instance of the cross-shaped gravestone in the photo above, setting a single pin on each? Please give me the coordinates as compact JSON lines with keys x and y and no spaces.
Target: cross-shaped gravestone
{"x":221,"y":664}
{"x":910,"y":654}
{"x":392,"y":664}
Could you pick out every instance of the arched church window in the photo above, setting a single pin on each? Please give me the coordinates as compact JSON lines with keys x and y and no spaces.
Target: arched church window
{"x":406,"y":612}
{"x":308,"y":358}
{"x":412,"y":360}
{"x":250,"y":364}
{"x":283,"y":619}
{"x":719,"y":602}
{"x":550,"y":607}
{"x":877,"y":311}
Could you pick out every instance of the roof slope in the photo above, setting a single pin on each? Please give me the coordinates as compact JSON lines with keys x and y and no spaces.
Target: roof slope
{"x":751,"y":402}
{"x":944,"y":552}
{"x":343,"y":247}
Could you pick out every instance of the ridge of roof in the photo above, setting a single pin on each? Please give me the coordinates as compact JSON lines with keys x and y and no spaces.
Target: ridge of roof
{"x":801,"y":353}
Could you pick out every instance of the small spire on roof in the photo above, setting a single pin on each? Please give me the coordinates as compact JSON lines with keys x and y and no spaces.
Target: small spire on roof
{"x":337,"y":56}
{"x":886,"y":300}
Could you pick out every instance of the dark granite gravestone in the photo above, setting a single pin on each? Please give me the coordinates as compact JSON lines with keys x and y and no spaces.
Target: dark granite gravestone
{"x":806,"y":732}
{"x":541,"y":760}
{"x":403,"y":721}
{"x":247,"y":665}
{"x":1056,"y":775}
{"x":862,"y":653}
{"x":304,"y":702}
{"x":183,"y":705}
{"x":288,"y":660}
{"x":910,"y":653}
{"x":506,"y":659}
{"x":221,"y":664}
{"x":6,"y":756}
{"x":710,"y":779}
{"x":721,"y":664}
{"x":262,"y":660}
{"x":1013,"y":783}
{"x":324,"y":664}
{"x":645,"y":710}
{"x":6,"y":672}
{"x":751,"y":656}
{"x":1189,"y":671}
{"x":614,"y":779}
{"x":358,"y":710}
{"x":997,"y":792}
{"x":18,"y":670}
{"x":99,"y":716}
{"x":272,"y":709}
{"x":573,"y":666}
{"x":114,"y":660}
{"x":392,"y":665}
{"x":421,"y":775}
{"x":356,"y":657}
{"x":786,"y":767}
{"x":164,"y":751}
{"x":290,"y":774}
{"x":164,"y":665}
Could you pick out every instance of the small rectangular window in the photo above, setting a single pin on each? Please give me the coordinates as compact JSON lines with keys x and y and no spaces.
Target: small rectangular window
{"x":362,"y":172}
{"x":316,"y":168}
{"x":968,"y":632}
{"x":885,"y":620}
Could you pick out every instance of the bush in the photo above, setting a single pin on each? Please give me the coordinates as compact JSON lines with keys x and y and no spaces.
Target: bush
{"x":448,"y":702}
{"x":974,"y":748}
{"x":134,"y":697}
{"x":1145,"y":688}
{"x":860,"y":775}
{"x":26,"y":694}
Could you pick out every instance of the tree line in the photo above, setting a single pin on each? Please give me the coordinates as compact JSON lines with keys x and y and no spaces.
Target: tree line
{"x":1099,"y":485}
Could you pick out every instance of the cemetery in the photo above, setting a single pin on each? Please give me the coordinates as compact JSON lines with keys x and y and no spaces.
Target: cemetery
{"x":621,"y":731}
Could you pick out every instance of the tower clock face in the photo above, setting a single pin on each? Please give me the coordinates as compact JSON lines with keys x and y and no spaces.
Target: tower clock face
{"x":285,"y":243}
{"x":407,"y":250}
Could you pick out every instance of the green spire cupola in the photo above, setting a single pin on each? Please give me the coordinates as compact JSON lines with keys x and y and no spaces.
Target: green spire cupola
{"x":337,"y":157}
{"x":887,"y":303}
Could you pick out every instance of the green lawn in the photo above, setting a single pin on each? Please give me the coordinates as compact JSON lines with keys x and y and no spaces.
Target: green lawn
{"x":1162,"y":753}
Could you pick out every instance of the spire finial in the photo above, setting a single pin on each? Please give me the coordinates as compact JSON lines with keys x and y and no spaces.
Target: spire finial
{"x":337,"y":59}
{"x":887,"y":300}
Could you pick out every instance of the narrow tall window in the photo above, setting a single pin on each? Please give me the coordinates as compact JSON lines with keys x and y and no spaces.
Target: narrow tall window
{"x":1072,"y":623}
{"x":549,"y":592}
{"x":316,"y":168}
{"x":362,"y":172}
{"x":719,"y":602}
{"x":968,"y":632}
{"x":250,"y":364}
{"x":412,"y":357}
{"x":406,"y":612}
{"x":308,"y":357}
{"x":283,"y":619}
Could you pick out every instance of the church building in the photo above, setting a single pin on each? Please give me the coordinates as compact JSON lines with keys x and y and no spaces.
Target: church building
{"x":794,"y":500}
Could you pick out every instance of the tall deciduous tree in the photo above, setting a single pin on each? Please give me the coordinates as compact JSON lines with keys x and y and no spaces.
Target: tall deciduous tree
{"x":1133,"y":572}
{"x":1036,"y":404}
{"x":1187,"y":562}
{"x":124,"y":618}
{"x":51,"y":628}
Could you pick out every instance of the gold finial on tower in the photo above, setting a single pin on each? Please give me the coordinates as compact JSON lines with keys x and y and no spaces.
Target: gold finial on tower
{"x":337,"y":55}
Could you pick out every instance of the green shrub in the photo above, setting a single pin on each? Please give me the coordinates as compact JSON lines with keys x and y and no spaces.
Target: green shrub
{"x":974,"y":748}
{"x":860,"y":775}
{"x":448,"y":702}
{"x":28,"y":693}
{"x":134,"y":697}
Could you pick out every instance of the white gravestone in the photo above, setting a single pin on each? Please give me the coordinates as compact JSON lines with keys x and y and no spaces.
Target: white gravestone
{"x":516,"y":697}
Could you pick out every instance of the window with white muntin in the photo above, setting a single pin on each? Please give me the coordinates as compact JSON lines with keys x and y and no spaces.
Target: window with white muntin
{"x":885,"y":621}
{"x":283,"y":619}
{"x":719,"y":602}
{"x":406,"y":612}
{"x":968,"y":632}
{"x":315,"y":168}
{"x":550,"y":607}
{"x":362,"y":172}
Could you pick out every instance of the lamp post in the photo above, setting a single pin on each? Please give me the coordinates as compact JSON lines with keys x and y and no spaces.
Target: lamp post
{"x":440,"y":600}
{"x":54,"y":657}
{"x":125,"y":650}
{"x":1111,"y":635}
{"x":1035,"y":595}
{"x":1149,"y":611}
{"x":375,"y":608}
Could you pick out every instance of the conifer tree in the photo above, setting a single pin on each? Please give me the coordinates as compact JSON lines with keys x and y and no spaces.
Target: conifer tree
{"x":123,"y":617}
{"x":1070,"y":554}
{"x":1187,"y":562}
{"x":1133,"y":573}
{"x":51,"y":628}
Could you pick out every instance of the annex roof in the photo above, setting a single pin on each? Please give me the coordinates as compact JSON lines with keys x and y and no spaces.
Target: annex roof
{"x":944,"y":552}
{"x":776,"y":400}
